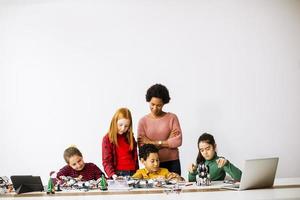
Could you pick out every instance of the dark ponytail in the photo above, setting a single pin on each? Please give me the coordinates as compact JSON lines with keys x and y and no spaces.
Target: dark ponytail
{"x":208,"y":138}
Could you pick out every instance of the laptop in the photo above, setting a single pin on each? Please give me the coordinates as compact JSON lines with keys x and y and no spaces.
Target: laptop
{"x":258,"y":173}
{"x":23,"y":184}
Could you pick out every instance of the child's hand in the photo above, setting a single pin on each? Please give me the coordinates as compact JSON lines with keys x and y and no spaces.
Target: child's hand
{"x":192,"y":168}
{"x":221,"y":162}
{"x":79,"y":178}
{"x":114,"y":177}
{"x":174,"y":133}
{"x":172,"y":175}
{"x":175,"y":177}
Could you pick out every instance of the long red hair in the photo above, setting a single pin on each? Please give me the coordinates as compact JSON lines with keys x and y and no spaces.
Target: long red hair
{"x":122,"y":113}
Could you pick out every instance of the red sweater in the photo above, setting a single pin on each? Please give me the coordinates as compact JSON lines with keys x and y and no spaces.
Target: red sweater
{"x":125,"y":160}
{"x":109,"y":156}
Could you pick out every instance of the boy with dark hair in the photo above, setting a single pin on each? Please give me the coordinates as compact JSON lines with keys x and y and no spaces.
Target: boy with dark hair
{"x":148,"y":154}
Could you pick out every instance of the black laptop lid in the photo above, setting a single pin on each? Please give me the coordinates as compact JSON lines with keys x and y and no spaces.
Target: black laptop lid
{"x":27,"y":183}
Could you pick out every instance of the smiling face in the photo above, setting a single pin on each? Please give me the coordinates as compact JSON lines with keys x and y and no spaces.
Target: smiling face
{"x":123,"y":125}
{"x":76,"y":162}
{"x":207,"y":150}
{"x":152,"y":162}
{"x":156,"y":105}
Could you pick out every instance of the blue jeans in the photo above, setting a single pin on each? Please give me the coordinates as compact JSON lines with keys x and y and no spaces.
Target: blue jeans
{"x":125,"y":172}
{"x":172,"y":166}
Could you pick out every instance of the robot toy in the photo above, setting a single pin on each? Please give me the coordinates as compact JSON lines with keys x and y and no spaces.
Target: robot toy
{"x":203,"y":177}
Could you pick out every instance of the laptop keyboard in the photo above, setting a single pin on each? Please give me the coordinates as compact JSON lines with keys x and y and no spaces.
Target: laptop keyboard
{"x":234,"y":186}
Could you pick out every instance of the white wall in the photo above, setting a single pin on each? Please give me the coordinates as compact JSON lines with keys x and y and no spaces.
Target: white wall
{"x":232,"y":68}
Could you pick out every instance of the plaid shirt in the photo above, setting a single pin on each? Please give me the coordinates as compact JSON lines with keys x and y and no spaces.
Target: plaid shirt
{"x":89,"y":172}
{"x":109,"y":156}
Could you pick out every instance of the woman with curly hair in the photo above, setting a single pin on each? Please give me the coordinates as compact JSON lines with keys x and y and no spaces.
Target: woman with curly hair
{"x":161,"y":128}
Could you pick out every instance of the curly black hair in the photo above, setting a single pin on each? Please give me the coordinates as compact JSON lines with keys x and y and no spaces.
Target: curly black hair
{"x":158,"y":91}
{"x":146,"y":149}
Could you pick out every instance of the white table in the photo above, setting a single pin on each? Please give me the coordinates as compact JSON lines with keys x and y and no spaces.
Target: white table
{"x":284,"y":188}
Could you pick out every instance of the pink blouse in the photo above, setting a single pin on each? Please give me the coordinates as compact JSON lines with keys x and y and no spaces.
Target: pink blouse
{"x":160,"y":129}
